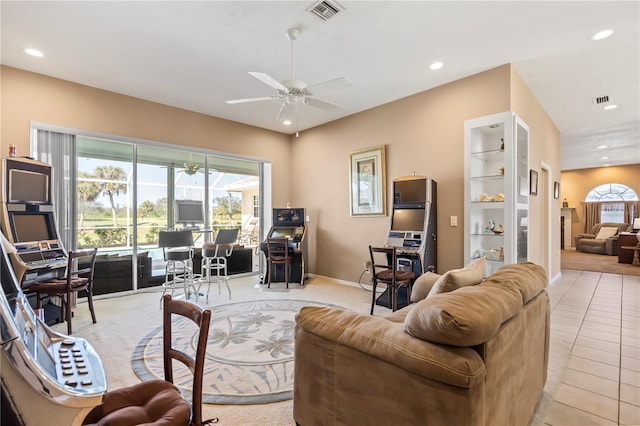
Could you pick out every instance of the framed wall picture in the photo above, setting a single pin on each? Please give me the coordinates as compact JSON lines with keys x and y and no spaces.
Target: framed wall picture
{"x":367,"y":186}
{"x":533,"y":182}
{"x":556,"y":190}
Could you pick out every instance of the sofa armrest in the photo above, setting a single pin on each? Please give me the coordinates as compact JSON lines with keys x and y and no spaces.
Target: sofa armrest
{"x":386,"y":340}
{"x":579,"y":237}
{"x":585,"y":236}
{"x":611,"y":246}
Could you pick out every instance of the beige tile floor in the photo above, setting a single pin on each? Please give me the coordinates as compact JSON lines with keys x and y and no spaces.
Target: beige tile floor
{"x":594,"y":363}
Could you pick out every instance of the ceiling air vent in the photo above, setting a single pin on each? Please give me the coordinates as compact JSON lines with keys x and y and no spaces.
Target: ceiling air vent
{"x":601,"y":100}
{"x":325,"y":9}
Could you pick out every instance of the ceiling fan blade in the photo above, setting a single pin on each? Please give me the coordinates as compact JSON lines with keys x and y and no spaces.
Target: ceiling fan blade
{"x":287,"y":111}
{"x":245,"y":100}
{"x":336,"y":83}
{"x":324,"y":105}
{"x":267,"y":79}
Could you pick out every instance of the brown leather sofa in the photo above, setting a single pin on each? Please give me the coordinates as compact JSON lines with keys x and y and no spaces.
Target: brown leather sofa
{"x":588,"y":243}
{"x":476,"y":355}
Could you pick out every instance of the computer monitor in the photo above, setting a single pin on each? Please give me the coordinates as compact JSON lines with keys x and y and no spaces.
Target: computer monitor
{"x":412,"y":191}
{"x":282,"y":232}
{"x":28,"y":181}
{"x":189,"y":213}
{"x":408,"y":219}
{"x":29,"y":227}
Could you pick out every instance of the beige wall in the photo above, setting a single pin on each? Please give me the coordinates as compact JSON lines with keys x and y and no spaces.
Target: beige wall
{"x":423,"y":134}
{"x":544,"y":148}
{"x":576,"y":184}
{"x":28,"y":97}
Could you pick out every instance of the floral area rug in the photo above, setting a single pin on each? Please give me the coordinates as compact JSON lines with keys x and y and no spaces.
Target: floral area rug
{"x":249,"y":352}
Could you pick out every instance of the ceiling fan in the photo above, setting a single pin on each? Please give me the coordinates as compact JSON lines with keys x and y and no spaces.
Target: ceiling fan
{"x":191,"y":168}
{"x":295,"y":92}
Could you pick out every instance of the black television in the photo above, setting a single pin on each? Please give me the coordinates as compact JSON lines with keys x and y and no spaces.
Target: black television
{"x":408,"y":219}
{"x":189,"y":213}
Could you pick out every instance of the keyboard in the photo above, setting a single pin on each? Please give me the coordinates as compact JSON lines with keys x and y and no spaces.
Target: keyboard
{"x":47,"y":263}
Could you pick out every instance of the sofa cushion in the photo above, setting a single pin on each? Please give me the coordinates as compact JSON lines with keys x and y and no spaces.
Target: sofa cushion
{"x":472,"y":315}
{"x":471,"y":274}
{"x":527,"y":277}
{"x":422,"y":285}
{"x":606,"y":232}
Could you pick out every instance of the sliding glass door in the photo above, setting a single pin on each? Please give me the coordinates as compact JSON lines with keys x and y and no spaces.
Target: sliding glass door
{"x":126,"y":192}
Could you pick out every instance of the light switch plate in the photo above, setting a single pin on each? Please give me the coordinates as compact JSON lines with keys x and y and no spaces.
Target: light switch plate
{"x":454,"y":220}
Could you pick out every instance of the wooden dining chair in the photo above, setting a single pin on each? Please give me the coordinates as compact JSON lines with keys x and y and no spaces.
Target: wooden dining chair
{"x":384,"y":270}
{"x":78,"y":277}
{"x":278,"y":253}
{"x":159,"y":401}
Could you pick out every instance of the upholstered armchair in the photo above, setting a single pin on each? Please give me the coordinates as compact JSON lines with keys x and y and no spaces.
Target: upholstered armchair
{"x":603,"y":238}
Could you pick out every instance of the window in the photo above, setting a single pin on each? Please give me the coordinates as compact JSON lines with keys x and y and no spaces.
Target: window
{"x":612,"y":192}
{"x":612,"y":196}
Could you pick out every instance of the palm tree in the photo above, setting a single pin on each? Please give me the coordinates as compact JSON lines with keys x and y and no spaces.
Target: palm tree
{"x":110,"y":176}
{"x":145,"y":209}
{"x":88,"y":191}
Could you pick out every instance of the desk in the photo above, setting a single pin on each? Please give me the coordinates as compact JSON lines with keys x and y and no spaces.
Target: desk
{"x":636,"y":254}
{"x":626,"y":239}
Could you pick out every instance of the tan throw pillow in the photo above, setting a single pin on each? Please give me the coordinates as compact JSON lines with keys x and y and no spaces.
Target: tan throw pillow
{"x":471,"y":274}
{"x":422,"y":286}
{"x":606,"y":232}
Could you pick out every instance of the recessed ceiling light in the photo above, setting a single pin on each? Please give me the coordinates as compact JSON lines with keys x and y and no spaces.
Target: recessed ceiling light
{"x":34,"y":52}
{"x":606,"y":165}
{"x":436,"y":65}
{"x":287,"y":122}
{"x":604,"y":158}
{"x":612,"y":106}
{"x":602,"y":35}
{"x":602,"y":146}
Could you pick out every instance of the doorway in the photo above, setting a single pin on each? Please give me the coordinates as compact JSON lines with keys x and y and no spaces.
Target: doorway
{"x":545,"y":193}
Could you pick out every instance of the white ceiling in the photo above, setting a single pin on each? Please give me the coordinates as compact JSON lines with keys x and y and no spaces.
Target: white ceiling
{"x":196,"y":55}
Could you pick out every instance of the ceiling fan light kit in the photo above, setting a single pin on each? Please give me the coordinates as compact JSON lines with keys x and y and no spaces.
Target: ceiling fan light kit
{"x":295,"y":92}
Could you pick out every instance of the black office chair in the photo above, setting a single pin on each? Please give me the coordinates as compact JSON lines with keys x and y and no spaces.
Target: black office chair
{"x":278,"y":253}
{"x":177,"y":247}
{"x":384,"y":270}
{"x":214,"y":258}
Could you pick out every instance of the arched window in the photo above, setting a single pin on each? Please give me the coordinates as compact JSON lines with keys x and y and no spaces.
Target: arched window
{"x":612,"y":197}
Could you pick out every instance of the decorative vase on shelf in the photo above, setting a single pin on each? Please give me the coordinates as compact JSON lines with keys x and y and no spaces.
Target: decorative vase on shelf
{"x":565,"y":203}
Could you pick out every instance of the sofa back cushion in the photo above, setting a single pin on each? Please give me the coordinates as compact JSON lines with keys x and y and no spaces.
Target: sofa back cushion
{"x":622,"y":227}
{"x":471,"y":274}
{"x":472,"y":315}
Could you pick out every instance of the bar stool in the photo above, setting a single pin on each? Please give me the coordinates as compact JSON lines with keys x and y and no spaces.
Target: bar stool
{"x":214,"y":258}
{"x":177,"y":247}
